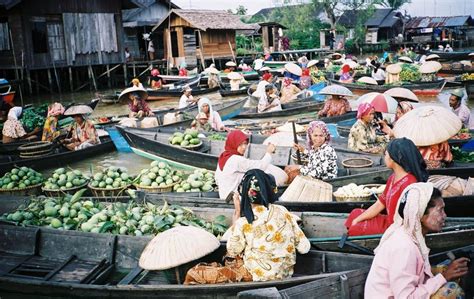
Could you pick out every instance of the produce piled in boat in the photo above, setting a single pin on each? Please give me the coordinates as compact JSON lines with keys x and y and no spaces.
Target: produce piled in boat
{"x":62,"y":179}
{"x":199,"y":180}
{"x":159,"y":174}
{"x":187,"y":139}
{"x":353,"y":190}
{"x":19,"y":178}
{"x":111,"y":178}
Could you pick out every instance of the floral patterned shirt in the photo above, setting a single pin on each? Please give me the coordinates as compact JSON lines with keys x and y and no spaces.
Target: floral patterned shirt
{"x":86,"y":132}
{"x":12,"y":128}
{"x":269,"y":244}
{"x":363,"y":138}
{"x":50,"y":129}
{"x":335,"y":108}
{"x":322,"y":163}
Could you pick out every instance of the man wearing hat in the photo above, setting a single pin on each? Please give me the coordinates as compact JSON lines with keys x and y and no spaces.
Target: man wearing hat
{"x":461,"y":110}
{"x":187,"y":99}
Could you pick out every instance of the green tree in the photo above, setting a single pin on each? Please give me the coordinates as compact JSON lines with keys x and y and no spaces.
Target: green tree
{"x":395,"y":4}
{"x":241,"y":10}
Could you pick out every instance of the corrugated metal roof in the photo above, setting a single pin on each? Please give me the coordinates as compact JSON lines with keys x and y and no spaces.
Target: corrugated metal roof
{"x":432,"y":22}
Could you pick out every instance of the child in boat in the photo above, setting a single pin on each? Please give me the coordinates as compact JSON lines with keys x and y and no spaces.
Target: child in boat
{"x":213,"y":119}
{"x":401,"y":267}
{"x":408,"y":167}
{"x":267,"y":235}
{"x":269,"y":101}
{"x":288,"y":91}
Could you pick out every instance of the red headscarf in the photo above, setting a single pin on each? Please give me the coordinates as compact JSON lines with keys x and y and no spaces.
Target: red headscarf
{"x":234,"y":139}
{"x":266,"y":76}
{"x":346,"y":68}
{"x":287,"y":82}
{"x":305,"y":72}
{"x":364,"y":109}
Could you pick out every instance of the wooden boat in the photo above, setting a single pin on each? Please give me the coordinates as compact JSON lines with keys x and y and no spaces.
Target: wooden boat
{"x":231,"y":93}
{"x":448,"y":56}
{"x":276,"y":64}
{"x":58,"y":158}
{"x":469,"y":85}
{"x":11,"y":148}
{"x":419,"y":88}
{"x":46,"y":263}
{"x":289,"y":109}
{"x":455,"y":69}
{"x":6,"y":91}
{"x":156,"y":142}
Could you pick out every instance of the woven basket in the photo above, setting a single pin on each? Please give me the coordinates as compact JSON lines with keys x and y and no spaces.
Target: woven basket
{"x":60,"y":193}
{"x":372,"y":186}
{"x":306,"y":189}
{"x":30,"y":190}
{"x":148,"y":189}
{"x":352,"y":198}
{"x":357,"y":163}
{"x":103,"y":192}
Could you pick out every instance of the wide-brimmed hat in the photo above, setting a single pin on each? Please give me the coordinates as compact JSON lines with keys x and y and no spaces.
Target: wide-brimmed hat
{"x":458,"y":92}
{"x":176,"y":247}
{"x":230,"y":63}
{"x":402,"y":94}
{"x":432,"y":57}
{"x":394,"y":69}
{"x":367,"y":80}
{"x":214,"y":71}
{"x":140,"y":90}
{"x":78,"y":110}
{"x":428,"y":125}
{"x":336,"y":90}
{"x":336,"y":56}
{"x":265,"y":68}
{"x":430,"y":67}
{"x":312,"y":63}
{"x":293,"y":68}
{"x":234,"y":76}
{"x":405,"y":59}
{"x":186,"y":88}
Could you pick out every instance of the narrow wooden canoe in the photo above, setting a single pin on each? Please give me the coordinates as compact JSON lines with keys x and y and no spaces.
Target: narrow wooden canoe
{"x":159,"y":94}
{"x":420,"y":88}
{"x":232,"y":93}
{"x":448,"y":56}
{"x":11,"y":148}
{"x":288,"y":109}
{"x":57,"y":159}
{"x":156,"y":142}
{"x":43,"y":262}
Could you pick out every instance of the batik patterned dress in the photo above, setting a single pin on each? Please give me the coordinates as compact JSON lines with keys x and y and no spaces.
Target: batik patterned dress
{"x":363,"y":138}
{"x":322,"y":163}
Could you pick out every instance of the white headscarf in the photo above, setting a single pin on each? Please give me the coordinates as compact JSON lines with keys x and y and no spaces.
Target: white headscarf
{"x":203,"y":101}
{"x":416,"y":198}
{"x":15,"y":113}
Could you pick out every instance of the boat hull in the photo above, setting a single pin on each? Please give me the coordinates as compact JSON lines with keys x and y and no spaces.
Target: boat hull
{"x":422,"y":88}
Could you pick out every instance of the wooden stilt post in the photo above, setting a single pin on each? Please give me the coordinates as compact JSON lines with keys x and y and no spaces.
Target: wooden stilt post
{"x":89,"y":76}
{"x":134,"y":71}
{"x":50,"y":80}
{"x":71,"y":84}
{"x":125,"y":81}
{"x":109,"y":84}
{"x":37,"y":83}
{"x":93,"y":77}
{"x":28,"y":78}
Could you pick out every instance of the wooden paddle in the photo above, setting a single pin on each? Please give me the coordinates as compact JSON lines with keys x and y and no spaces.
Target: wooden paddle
{"x":295,"y":139}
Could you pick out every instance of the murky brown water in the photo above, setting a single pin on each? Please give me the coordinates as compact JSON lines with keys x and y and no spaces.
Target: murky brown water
{"x":134,"y":162}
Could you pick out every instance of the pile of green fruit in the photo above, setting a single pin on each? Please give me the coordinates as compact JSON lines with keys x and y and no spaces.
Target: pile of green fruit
{"x":467,"y":77}
{"x":201,"y":180}
{"x":62,"y":180}
{"x":19,"y":178}
{"x":72,"y":213}
{"x":32,"y":118}
{"x":216,"y":137}
{"x":159,"y":174}
{"x":111,"y":178}
{"x":410,"y":73}
{"x":186,"y":139}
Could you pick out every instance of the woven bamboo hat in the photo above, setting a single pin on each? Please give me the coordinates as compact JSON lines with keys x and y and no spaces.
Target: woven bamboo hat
{"x":293,"y":68}
{"x":405,"y":59}
{"x":432,"y":57}
{"x":177,"y":246}
{"x":78,"y":110}
{"x":428,"y":125}
{"x":394,"y":69}
{"x":233,"y":76}
{"x":140,"y":90}
{"x":312,"y":63}
{"x":230,"y":63}
{"x":265,"y":68}
{"x":430,"y":67}
{"x":367,"y":80}
{"x":402,"y":94}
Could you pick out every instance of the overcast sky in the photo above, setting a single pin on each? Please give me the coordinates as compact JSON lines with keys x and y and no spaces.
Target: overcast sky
{"x":416,"y":8}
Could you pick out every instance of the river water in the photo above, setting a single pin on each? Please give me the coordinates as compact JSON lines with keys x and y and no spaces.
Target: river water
{"x":135,"y":163}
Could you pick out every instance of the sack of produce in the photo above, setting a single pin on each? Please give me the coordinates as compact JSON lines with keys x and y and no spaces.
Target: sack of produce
{"x":307,"y":189}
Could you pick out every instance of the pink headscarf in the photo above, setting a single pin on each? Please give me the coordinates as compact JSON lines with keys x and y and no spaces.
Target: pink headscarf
{"x":155,"y":72}
{"x":364,"y":109}
{"x":55,"y":109}
{"x":313,"y":125}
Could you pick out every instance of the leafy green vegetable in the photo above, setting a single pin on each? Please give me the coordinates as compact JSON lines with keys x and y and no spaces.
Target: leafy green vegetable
{"x":462,"y":156}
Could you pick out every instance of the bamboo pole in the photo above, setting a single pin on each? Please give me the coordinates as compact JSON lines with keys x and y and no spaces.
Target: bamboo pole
{"x":232,"y":50}
{"x":16,"y":66}
{"x":107,"y":72}
{"x":201,"y":52}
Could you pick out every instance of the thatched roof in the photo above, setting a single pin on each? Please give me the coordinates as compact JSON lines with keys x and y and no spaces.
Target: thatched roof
{"x":208,"y":19}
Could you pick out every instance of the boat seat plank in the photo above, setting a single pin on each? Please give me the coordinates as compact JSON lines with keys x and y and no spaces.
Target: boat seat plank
{"x":131,"y":276}
{"x":75,"y":271}
{"x":9,"y":262}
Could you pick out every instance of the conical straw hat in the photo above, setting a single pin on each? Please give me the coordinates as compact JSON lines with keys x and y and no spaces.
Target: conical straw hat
{"x":394,"y":69}
{"x":430,"y":67}
{"x":405,"y":59}
{"x":367,"y":80}
{"x":265,"y":68}
{"x":335,"y":89}
{"x":431,"y":56}
{"x":334,"y":55}
{"x":293,"y":68}
{"x":79,"y":109}
{"x":177,"y":246}
{"x":140,"y":90}
{"x":230,"y":63}
{"x":288,"y":127}
{"x":428,"y":125}
{"x":352,"y":64}
{"x":233,"y":76}
{"x":402,"y":94}
{"x":312,"y":63}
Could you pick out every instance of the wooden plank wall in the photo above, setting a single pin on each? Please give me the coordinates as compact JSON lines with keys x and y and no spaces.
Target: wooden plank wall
{"x":216,"y":43}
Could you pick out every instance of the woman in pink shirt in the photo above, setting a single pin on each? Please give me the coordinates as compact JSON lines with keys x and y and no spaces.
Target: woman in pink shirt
{"x":401,"y":268}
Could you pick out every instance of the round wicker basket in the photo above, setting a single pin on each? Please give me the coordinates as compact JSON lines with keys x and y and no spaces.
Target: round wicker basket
{"x":357,"y":163}
{"x":352,"y":198}
{"x":60,"y":193}
{"x":104,"y":192}
{"x":30,"y":190}
{"x":149,"y":189}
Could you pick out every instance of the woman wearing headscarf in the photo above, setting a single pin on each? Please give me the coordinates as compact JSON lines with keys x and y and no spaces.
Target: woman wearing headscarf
{"x":155,"y":80}
{"x":403,"y":108}
{"x":408,"y":167}
{"x":213,"y":117}
{"x":50,"y":129}
{"x":362,"y":136}
{"x":305,"y":79}
{"x":322,"y":158}
{"x":13,"y":129}
{"x":288,"y":91}
{"x":267,"y":234}
{"x":346,"y":76}
{"x":213,"y":79}
{"x":232,"y":164}
{"x":136,"y":83}
{"x":401,"y":267}
{"x":266,"y":79}
{"x":336,"y":105}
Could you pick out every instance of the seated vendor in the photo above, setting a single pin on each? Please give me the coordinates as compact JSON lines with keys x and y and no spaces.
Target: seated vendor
{"x":269,"y":101}
{"x":13,"y":129}
{"x":83,"y":132}
{"x":336,"y":105}
{"x":289,"y":91}
{"x":137,"y":105}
